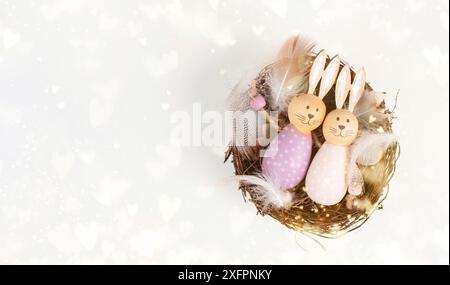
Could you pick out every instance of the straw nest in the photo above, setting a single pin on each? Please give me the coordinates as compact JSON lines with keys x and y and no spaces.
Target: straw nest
{"x":306,"y":216}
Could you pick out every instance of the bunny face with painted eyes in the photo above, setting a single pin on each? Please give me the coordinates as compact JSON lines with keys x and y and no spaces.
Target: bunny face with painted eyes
{"x":306,"y":112}
{"x":340,"y":127}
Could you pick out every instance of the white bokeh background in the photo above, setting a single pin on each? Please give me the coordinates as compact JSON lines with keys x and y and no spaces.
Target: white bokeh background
{"x":86,"y":93}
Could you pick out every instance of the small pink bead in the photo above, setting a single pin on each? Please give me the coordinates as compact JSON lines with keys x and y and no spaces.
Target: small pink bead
{"x":258,"y":103}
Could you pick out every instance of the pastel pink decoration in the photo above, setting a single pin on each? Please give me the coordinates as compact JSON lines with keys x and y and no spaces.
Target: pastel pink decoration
{"x":257,"y":103}
{"x":287,"y":158}
{"x":326,"y":179}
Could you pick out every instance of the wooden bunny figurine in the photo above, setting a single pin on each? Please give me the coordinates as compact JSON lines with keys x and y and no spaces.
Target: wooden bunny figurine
{"x":326,"y":182}
{"x":288,"y":156}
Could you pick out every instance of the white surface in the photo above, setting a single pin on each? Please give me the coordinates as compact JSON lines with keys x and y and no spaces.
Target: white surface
{"x":86,"y":93}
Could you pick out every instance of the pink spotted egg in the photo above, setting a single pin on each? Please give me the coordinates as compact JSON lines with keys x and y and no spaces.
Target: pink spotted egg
{"x":287,"y":158}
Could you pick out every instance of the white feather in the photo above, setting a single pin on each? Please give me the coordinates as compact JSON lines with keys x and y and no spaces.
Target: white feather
{"x":378,"y":97}
{"x":368,"y":147}
{"x":269,"y":194}
{"x":366,"y":150}
{"x":368,"y":112}
{"x":368,"y":103}
{"x":288,"y":76}
{"x":280,"y":91}
{"x":239,"y":99}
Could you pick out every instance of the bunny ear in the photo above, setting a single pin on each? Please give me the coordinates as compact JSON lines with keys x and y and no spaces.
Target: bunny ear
{"x":316,"y":71}
{"x":343,"y":85}
{"x":329,"y":76}
{"x":358,"y":86}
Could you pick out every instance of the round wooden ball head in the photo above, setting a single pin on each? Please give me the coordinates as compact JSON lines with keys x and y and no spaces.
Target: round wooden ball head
{"x":306,"y":112}
{"x":340,"y":127}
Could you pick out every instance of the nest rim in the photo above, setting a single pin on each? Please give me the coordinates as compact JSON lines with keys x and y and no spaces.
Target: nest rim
{"x":306,"y":216}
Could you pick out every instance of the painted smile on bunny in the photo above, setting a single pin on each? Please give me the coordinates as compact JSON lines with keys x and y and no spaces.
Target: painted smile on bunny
{"x":341,"y":133}
{"x":340,"y":127}
{"x":306,"y":112}
{"x":308,"y":121}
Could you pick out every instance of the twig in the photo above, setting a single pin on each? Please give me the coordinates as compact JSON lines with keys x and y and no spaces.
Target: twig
{"x":316,"y":140}
{"x":395,"y":102}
